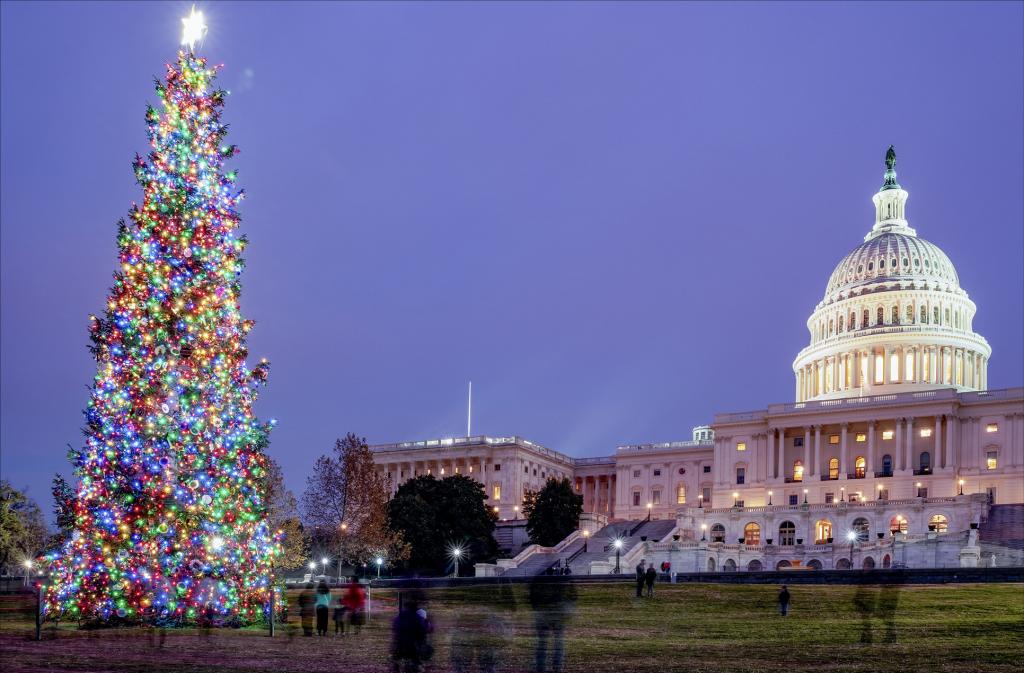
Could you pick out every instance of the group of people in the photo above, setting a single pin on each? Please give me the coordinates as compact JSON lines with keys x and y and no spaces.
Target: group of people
{"x":350,"y":606}
{"x":646,"y":576}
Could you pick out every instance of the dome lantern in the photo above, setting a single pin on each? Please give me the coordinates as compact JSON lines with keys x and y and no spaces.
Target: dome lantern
{"x":890,"y":203}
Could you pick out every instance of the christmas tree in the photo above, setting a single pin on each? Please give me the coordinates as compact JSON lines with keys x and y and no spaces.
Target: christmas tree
{"x":169,"y":517}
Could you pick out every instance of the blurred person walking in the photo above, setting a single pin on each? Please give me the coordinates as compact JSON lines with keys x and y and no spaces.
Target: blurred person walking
{"x":355,"y":604}
{"x":784,"y":601}
{"x":650,"y":577}
{"x":641,"y":575}
{"x":323,"y":606}
{"x":306,"y":609}
{"x":553,"y":601}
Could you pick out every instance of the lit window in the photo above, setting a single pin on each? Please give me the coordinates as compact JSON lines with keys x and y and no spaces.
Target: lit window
{"x":471,"y":469}
{"x":497,"y":492}
{"x":898,"y":524}
{"x":822,"y":531}
{"x":991,"y":461}
{"x":456,"y":470}
{"x":741,"y":446}
{"x":859,"y":465}
{"x":752,"y":534}
{"x":833,"y":468}
{"x":938,"y":523}
{"x":887,"y":434}
{"x":718,"y":533}
{"x":833,"y":439}
{"x":680,"y":495}
{"x":798,"y":471}
{"x":879,"y":366}
{"x":992,"y":427}
{"x":926,"y":432}
{"x":442,"y":470}
{"x":861,"y":437}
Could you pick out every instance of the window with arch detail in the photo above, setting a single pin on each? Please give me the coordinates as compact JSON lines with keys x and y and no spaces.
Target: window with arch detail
{"x":880,"y":316}
{"x":862,"y":528}
{"x":859,"y":465}
{"x":924,"y":315}
{"x":867,"y":319}
{"x":718,"y":533}
{"x":925,"y":462}
{"x":935,"y":315}
{"x":853,"y":320}
{"x":938,"y":523}
{"x":752,"y":534}
{"x":895,"y":315}
{"x":840,"y":324}
{"x":887,"y":465}
{"x":833,"y":468}
{"x":910,"y":314}
{"x":787,"y":534}
{"x":898,"y":524}
{"x":822,"y":531}
{"x":680,"y":495}
{"x":798,"y":470}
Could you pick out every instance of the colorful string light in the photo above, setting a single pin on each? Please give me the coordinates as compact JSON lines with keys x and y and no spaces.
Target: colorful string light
{"x":170,"y":516}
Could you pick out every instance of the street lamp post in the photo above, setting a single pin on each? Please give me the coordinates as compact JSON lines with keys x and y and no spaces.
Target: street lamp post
{"x":515,"y":511}
{"x":28,"y":569}
{"x":324,"y":562}
{"x":735,"y":499}
{"x":703,"y":532}
{"x":379,"y":561}
{"x":618,"y":550}
{"x":805,"y":496}
{"x":586,"y":539}
{"x":700,"y":501}
{"x":961,"y":487}
{"x":769,"y":498}
{"x":649,"y":506}
{"x":456,"y":554}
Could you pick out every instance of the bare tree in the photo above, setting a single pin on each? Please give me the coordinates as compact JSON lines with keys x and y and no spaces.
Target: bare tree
{"x":283,"y":515}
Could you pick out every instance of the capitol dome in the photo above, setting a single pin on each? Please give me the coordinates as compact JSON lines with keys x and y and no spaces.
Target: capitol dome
{"x":894,"y":317}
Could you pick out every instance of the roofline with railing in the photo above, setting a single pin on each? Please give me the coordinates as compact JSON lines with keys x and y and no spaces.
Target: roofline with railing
{"x":450,"y":443}
{"x":868,"y":401}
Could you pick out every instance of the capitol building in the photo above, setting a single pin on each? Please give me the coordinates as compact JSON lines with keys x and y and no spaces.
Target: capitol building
{"x":893,"y":453}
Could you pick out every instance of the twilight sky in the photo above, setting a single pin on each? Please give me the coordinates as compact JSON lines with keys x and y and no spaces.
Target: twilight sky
{"x":615,"y":219}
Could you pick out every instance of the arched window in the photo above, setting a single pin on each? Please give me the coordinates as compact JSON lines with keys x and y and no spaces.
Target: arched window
{"x":840,"y":324}
{"x":938,"y":523}
{"x":752,"y":534}
{"x":814,"y":564}
{"x":822,"y":531}
{"x":833,"y":468}
{"x":898,"y":524}
{"x":869,"y":563}
{"x":831,"y":327}
{"x":935,"y":315}
{"x":887,"y":465}
{"x":910,"y":314}
{"x":741,"y":475}
{"x":755,"y":566}
{"x":946,"y":316}
{"x":718,"y":533}
{"x":798,"y":470}
{"x":862,"y":528}
{"x":711,"y":565}
{"x":924,"y":315}
{"x":867,"y":319}
{"x":925,"y":461}
{"x":787,"y":533}
{"x":859,"y":464}
{"x":853,"y":320}
{"x":895,"y":315}
{"x":729,"y":566}
{"x":886,"y":561}
{"x":680,"y":495}
{"x":783,"y":564}
{"x":881,"y":316}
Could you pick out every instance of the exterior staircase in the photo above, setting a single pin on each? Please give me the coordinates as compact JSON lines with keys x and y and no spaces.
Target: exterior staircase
{"x":600,"y":548}
{"x":1001,"y":536}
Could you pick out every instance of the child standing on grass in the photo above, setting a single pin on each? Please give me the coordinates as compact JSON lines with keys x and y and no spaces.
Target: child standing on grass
{"x":339,"y":617}
{"x":784,"y":601}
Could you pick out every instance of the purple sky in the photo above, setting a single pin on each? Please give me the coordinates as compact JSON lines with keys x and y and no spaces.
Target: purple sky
{"x":615,"y":219}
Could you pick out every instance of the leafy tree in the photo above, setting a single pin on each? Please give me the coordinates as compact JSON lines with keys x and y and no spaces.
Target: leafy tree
{"x":435,"y":515}
{"x":553,"y":512}
{"x":345,"y":503}
{"x":23,"y":531}
{"x":283,"y":515}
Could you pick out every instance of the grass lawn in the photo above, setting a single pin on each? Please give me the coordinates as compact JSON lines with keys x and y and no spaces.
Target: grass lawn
{"x":694,"y":627}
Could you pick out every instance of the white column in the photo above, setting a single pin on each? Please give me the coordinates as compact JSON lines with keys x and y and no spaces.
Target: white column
{"x":780,"y":472}
{"x":940,"y":455}
{"x":817,"y":453}
{"x":870,"y":461}
{"x":871,"y":367}
{"x":953,"y":438}
{"x":899,"y":445}
{"x":909,"y":447}
{"x":842,"y":449}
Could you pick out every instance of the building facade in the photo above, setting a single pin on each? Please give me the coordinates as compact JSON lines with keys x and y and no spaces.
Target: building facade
{"x":893,"y":433}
